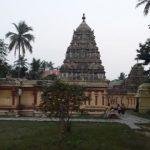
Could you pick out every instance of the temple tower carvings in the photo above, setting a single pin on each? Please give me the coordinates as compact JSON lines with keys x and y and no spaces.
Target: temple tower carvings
{"x":135,"y":78}
{"x":82,"y":62}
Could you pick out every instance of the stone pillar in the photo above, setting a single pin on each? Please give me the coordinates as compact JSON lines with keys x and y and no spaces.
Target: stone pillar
{"x":90,"y":97}
{"x":99,"y":98}
{"x":96,"y":98}
{"x":35,"y":97}
{"x":102,"y":99}
{"x":13,"y":97}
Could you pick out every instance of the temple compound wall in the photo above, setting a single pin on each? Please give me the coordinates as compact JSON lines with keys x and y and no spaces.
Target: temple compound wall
{"x":128,"y":100}
{"x":26,"y":103}
{"x":100,"y":100}
{"x":19,"y":97}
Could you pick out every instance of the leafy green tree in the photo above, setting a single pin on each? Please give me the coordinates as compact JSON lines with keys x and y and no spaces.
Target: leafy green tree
{"x":4,"y":67}
{"x":146,"y":7}
{"x":50,"y":77}
{"x":20,"y":41}
{"x":61,"y":100}
{"x":143,"y":54}
{"x":122,"y":76}
{"x":3,"y":51}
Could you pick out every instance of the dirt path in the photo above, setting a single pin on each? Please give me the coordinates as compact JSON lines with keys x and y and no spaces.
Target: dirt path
{"x":131,"y":120}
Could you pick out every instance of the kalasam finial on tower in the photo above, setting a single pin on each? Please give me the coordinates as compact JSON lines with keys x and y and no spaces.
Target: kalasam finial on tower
{"x":83,"y":18}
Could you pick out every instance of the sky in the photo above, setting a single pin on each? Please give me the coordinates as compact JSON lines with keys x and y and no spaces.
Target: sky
{"x":118,"y":26}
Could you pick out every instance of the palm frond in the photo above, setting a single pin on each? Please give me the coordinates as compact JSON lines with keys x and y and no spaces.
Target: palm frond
{"x":12,"y":45}
{"x":141,"y":2}
{"x":147,"y":5}
{"x":28,"y":45}
{"x":14,"y":37}
{"x":29,"y":37}
{"x":146,"y":9}
{"x":10,"y":34}
{"x":23,"y":27}
{"x":16,"y":27}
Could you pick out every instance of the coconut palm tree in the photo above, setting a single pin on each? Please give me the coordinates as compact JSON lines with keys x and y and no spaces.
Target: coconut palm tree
{"x":47,"y":65}
{"x":36,"y":69}
{"x":23,"y":64}
{"x":44,"y":65}
{"x":50,"y":65}
{"x":20,"y":41}
{"x":147,"y":5}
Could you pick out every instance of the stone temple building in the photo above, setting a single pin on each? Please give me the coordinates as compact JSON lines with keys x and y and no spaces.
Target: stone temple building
{"x":82,"y":66}
{"x":124,"y":91}
{"x":135,"y":78}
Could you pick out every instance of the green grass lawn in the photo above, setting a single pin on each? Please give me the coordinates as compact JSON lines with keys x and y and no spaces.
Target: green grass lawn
{"x":25,"y":135}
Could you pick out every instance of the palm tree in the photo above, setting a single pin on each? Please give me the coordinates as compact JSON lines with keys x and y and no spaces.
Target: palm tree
{"x":36,"y":65}
{"x":20,"y":41}
{"x":22,"y":63}
{"x":50,"y":65}
{"x":36,"y":69}
{"x":44,"y":65}
{"x":147,"y":5}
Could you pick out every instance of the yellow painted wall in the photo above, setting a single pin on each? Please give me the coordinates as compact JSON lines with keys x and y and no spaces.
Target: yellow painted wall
{"x":144,"y":104}
{"x":27,"y":98}
{"x":5,"y":98}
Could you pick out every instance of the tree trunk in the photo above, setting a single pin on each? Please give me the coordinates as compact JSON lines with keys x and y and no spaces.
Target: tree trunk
{"x":19,"y":56}
{"x":68,"y":122}
{"x":68,"y":126}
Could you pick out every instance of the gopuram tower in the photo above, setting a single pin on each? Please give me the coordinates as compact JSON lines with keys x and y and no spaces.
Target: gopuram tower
{"x":82,"y":62}
{"x":83,"y":66}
